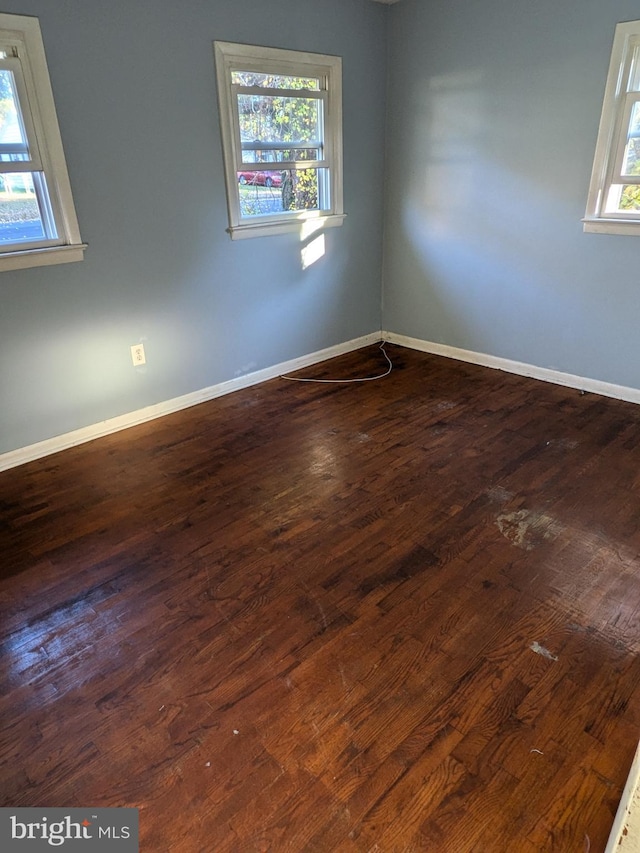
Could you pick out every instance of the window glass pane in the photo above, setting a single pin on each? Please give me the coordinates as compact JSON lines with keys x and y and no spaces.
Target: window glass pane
{"x":631,"y":164}
{"x":280,"y":155}
{"x":634,"y":76}
{"x":269,"y":192}
{"x":272,"y":119}
{"x":623,"y":198}
{"x":20,"y":217}
{"x":630,"y":198}
{"x":273,"y":81}
{"x":13,"y":139}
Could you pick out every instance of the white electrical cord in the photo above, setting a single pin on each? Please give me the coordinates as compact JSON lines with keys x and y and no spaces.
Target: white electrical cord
{"x":346,"y":381}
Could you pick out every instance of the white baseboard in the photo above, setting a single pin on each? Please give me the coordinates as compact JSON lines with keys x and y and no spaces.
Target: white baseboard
{"x":71,"y":439}
{"x":569,"y":380}
{"x":625,"y":832}
{"x":80,"y":436}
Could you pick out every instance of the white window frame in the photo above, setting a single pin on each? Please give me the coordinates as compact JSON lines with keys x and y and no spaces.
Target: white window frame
{"x":23,"y":49}
{"x":608,"y":171}
{"x":231,"y":57}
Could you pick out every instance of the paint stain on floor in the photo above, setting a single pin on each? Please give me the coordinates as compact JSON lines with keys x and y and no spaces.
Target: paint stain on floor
{"x":527,"y":529}
{"x":540,"y":650}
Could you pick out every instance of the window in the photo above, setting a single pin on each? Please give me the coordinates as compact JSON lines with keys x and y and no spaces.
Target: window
{"x":37,"y":219}
{"x":281,"y":124}
{"x":614,"y":194}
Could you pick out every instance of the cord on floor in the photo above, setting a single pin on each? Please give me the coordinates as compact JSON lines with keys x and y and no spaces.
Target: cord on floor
{"x":347,"y":381}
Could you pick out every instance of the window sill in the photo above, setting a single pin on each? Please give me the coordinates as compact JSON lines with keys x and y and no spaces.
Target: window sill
{"x":304,"y":224}
{"x":628,"y":227}
{"x":24,"y":258}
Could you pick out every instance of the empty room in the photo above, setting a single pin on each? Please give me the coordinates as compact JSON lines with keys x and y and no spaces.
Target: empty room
{"x":320,"y":426}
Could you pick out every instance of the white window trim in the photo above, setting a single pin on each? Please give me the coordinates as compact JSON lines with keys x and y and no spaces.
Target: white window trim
{"x":229,"y":57}
{"x":24,"y":32}
{"x":612,"y":138}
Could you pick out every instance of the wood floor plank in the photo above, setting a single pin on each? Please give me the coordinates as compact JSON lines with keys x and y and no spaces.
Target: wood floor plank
{"x":392,"y":617}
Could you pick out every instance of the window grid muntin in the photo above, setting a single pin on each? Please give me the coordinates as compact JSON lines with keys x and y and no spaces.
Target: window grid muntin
{"x":232,"y":57}
{"x":242,"y":165}
{"x":32,"y":165}
{"x":281,"y":145}
{"x":33,"y":162}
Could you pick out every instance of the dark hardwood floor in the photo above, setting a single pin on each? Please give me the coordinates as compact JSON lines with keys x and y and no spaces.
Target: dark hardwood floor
{"x":392,"y":616}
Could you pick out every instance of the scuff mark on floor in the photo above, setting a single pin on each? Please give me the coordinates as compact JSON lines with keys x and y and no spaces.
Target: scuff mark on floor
{"x":445,"y":406}
{"x":540,"y":650}
{"x":527,"y":529}
{"x":316,"y":601}
{"x":563,"y":443}
{"x":498,"y":494}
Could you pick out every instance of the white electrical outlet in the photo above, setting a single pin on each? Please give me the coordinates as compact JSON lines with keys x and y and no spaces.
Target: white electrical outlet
{"x":137,"y":355}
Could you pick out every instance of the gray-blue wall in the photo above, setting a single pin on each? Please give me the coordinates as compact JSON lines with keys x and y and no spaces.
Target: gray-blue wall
{"x":493,"y":111}
{"x":492,"y":115}
{"x":135,"y":93}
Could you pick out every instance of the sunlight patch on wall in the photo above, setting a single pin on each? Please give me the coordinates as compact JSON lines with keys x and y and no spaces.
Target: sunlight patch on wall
{"x":312,"y":252}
